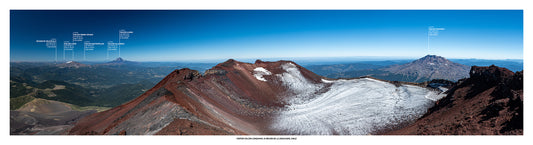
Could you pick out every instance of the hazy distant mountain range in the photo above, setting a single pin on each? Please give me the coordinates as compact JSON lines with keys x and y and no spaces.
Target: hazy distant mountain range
{"x":420,"y":70}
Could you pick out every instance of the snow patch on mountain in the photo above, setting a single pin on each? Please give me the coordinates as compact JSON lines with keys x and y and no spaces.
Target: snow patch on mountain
{"x":355,"y":107}
{"x":301,"y":88}
{"x":259,"y":72}
{"x":443,"y":89}
{"x":440,"y":95}
{"x":327,"y":81}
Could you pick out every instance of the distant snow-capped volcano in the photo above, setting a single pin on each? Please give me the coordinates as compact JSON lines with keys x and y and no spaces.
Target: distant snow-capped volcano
{"x":432,"y":67}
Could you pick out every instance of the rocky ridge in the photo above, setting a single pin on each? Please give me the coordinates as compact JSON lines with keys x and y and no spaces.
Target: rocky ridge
{"x":490,"y":102}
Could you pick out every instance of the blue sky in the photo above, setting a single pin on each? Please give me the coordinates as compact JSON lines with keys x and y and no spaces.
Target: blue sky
{"x":254,"y":34}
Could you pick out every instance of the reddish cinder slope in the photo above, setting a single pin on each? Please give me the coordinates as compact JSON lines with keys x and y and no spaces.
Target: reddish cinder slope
{"x":227,"y":99}
{"x":263,"y":98}
{"x":490,"y":102}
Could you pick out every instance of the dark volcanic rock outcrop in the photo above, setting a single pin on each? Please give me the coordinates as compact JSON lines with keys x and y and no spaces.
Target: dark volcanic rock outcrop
{"x":489,"y":102}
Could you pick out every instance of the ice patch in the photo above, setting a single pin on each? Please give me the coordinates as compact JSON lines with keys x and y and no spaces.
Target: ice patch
{"x":355,"y":107}
{"x":259,"y":72}
{"x":327,"y":81}
{"x":439,"y":95}
{"x":443,"y":89}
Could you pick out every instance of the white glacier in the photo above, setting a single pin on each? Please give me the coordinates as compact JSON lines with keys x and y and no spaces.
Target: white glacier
{"x":355,"y":107}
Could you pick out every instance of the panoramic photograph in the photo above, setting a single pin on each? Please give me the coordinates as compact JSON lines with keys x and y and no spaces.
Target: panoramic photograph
{"x":266,"y":72}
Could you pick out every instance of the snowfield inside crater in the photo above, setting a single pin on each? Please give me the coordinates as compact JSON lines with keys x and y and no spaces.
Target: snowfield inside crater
{"x":351,"y":107}
{"x":302,"y":88}
{"x":259,"y":72}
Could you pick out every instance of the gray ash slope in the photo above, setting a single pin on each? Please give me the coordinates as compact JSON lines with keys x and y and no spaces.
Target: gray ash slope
{"x":44,"y":117}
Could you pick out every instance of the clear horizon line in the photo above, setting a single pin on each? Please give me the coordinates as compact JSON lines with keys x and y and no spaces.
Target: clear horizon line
{"x":359,"y":58}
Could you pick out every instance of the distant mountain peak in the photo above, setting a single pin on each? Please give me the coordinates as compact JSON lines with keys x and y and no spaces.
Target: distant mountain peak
{"x":433,"y":60}
{"x":229,"y":62}
{"x":432,"y":67}
{"x":71,"y":64}
{"x":119,"y":60}
{"x":432,"y":56}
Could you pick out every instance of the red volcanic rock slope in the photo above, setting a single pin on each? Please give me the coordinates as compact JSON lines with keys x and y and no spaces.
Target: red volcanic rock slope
{"x":231,"y":98}
{"x":263,"y":98}
{"x":490,"y":102}
{"x":284,"y":98}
